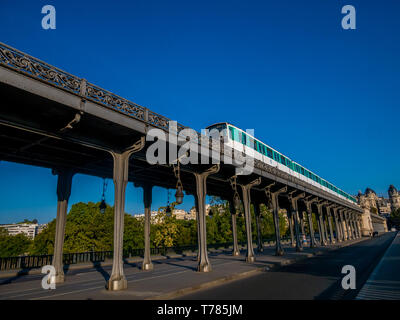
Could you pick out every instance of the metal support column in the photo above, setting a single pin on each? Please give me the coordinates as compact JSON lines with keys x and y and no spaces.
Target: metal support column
{"x":201,"y":191}
{"x":308,"y":203}
{"x":235,"y":251}
{"x":338,"y":230}
{"x":246,"y":204}
{"x":321,"y":223}
{"x":275,"y":204}
{"x":117,"y":279}
{"x":64,"y":184}
{"x":329,"y":217}
{"x":257,"y":213}
{"x":147,"y":199}
{"x":294,"y":208}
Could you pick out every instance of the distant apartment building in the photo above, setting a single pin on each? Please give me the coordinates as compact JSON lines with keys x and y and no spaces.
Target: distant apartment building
{"x":179,"y":214}
{"x":29,"y":229}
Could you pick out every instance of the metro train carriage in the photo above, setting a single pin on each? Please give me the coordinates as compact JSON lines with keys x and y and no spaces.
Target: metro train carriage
{"x":243,"y":142}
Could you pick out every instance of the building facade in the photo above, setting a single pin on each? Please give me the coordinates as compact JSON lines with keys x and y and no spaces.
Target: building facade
{"x":29,"y":229}
{"x":377,"y":209}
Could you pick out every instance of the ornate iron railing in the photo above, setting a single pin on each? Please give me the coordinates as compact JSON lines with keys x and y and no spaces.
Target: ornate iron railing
{"x":37,"y":69}
{"x":30,"y":262}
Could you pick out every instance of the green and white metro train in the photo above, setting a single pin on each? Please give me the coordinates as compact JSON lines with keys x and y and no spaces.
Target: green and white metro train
{"x":243,"y":142}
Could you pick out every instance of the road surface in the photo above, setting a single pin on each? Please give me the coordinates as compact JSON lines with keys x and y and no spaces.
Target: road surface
{"x":315,"y":278}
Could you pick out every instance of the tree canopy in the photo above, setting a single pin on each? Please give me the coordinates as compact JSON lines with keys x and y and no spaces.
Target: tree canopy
{"x":87,"y":229}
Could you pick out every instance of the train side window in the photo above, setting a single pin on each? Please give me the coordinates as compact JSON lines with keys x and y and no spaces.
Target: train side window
{"x":231,"y":133}
{"x":269,"y":152}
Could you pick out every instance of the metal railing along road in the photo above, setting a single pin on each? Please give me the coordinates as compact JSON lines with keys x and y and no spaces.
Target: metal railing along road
{"x":30,"y":262}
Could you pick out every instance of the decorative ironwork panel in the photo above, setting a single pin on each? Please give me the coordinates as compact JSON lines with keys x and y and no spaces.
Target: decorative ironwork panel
{"x":115,"y":102}
{"x":158,"y":120}
{"x":35,"y":68}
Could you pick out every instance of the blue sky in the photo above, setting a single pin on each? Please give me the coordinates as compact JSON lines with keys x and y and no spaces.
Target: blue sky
{"x":326,"y":97}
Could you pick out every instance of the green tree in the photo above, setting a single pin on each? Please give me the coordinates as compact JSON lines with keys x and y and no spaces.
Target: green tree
{"x":88,"y":229}
{"x":11,"y":246}
{"x":166,"y":228}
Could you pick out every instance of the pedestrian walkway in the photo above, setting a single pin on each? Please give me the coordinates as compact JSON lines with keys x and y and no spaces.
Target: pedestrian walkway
{"x":384,"y":281}
{"x":170,"y":278}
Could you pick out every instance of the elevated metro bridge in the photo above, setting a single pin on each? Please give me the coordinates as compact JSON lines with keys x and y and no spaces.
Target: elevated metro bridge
{"x":53,"y":119}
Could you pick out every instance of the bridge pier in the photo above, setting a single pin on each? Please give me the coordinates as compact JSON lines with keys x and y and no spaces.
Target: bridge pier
{"x":257,"y":213}
{"x":310,"y":223}
{"x":64,"y":183}
{"x":338,"y":230}
{"x":344,"y":226}
{"x":355,"y":225}
{"x":321,"y":225}
{"x":117,"y":279}
{"x":329,"y":217}
{"x":319,"y":231}
{"x":201,"y":191}
{"x":302,"y":218}
{"x":246,"y":204}
{"x":352,"y":231}
{"x":294,"y":209}
{"x":147,"y":199}
{"x":289,"y":215}
{"x":349,"y":225}
{"x":275,"y":205}
{"x":349,"y":232}
{"x":235,"y":251}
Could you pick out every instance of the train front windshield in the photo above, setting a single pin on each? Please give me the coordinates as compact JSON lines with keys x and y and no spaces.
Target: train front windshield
{"x":221,"y":127}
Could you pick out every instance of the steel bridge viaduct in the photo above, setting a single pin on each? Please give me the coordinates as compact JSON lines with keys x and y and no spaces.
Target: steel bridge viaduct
{"x":53,"y":119}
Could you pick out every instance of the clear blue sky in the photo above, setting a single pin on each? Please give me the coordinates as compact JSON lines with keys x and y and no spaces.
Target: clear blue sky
{"x":326,"y":97}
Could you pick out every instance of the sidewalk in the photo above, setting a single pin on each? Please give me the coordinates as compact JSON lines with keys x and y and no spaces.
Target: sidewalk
{"x":384,"y":281}
{"x":170,"y":278}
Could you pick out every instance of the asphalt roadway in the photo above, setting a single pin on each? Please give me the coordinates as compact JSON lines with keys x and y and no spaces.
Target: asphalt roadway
{"x":319,"y":277}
